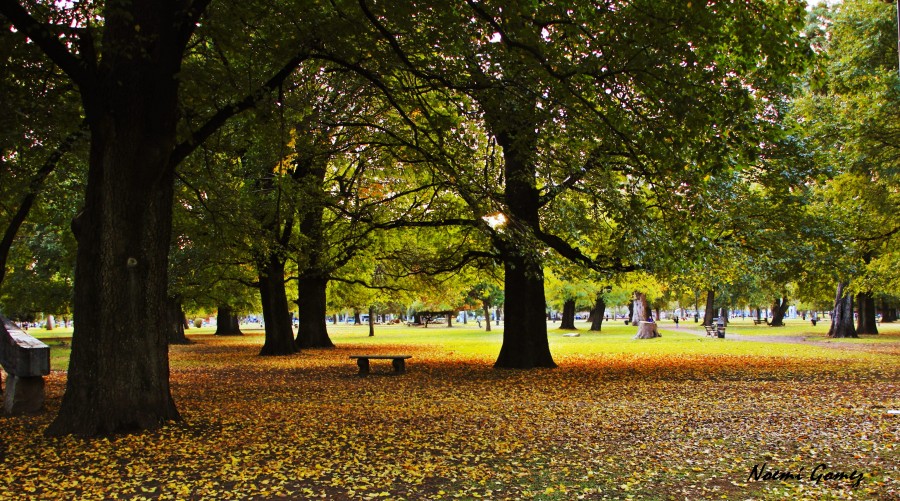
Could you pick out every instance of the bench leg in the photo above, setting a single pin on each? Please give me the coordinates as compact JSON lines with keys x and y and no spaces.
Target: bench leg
{"x":399,"y":365}
{"x":363,"y":364}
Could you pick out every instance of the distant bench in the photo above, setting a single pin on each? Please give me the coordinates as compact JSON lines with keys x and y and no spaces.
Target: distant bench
{"x":712,"y":330}
{"x":398,"y":361}
{"x":757,"y":321}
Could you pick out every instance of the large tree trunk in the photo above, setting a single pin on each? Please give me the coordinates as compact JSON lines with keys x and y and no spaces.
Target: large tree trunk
{"x":888,"y":311}
{"x":866,"y":317}
{"x":597,"y":313}
{"x":646,"y":330}
{"x":514,"y":121}
{"x":779,"y":308}
{"x":227,"y":323}
{"x":118,"y":378}
{"x":568,"y":315}
{"x":842,"y":315}
{"x":312,"y":330}
{"x":641,"y":309}
{"x":176,"y":322}
{"x":310,"y":171}
{"x":525,"y":343}
{"x":710,"y":314}
{"x":277,"y":317}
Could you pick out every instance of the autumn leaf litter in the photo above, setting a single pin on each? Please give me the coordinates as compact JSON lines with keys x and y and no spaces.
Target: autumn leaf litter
{"x":604,"y":427}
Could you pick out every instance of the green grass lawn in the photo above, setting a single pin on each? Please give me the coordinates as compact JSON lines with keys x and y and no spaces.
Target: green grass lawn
{"x":683,"y":416}
{"x":614,"y":339}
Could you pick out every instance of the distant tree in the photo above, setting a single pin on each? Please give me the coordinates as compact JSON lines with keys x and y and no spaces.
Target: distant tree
{"x":847,"y":112}
{"x":535,"y":86}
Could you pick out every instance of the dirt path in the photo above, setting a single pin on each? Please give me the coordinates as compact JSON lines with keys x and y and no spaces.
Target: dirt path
{"x":885,"y":348}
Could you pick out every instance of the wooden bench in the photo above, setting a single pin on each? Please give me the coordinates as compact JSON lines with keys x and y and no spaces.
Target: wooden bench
{"x":398,"y":361}
{"x":713,"y":330}
{"x":757,"y":321}
{"x":26,"y":361}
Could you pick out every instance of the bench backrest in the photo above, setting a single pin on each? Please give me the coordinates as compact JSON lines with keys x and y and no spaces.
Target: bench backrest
{"x":20,"y":354}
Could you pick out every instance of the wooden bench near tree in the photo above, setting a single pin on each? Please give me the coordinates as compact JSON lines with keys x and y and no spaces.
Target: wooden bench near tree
{"x":757,"y":321}
{"x":397,"y":361}
{"x":715,"y":330}
{"x":26,"y":361}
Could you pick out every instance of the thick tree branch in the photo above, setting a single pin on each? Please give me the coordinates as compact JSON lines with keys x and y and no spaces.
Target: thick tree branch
{"x":48,"y":41}
{"x":367,"y":285}
{"x":219,"y":119}
{"x":446,"y":265}
{"x":577,"y":256}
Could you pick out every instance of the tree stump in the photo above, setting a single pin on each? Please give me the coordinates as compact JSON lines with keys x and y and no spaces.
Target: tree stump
{"x":647,"y":330}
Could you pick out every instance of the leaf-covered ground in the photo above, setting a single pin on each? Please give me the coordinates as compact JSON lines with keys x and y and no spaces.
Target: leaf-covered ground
{"x":646,"y":422}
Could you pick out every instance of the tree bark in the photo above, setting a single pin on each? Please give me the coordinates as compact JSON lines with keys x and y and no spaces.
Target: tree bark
{"x":598,"y":312}
{"x":312,"y":330}
{"x":710,"y":312}
{"x":640,"y":308}
{"x":866,"y":321}
{"x":118,"y":377}
{"x":842,"y":315}
{"x":514,"y":121}
{"x":371,"y":321}
{"x":779,"y":308}
{"x":310,"y":171}
{"x":568,"y":315}
{"x":277,"y":317}
{"x":227,"y":323}
{"x":647,"y":330}
{"x":486,"y":306}
{"x":525,"y":342}
{"x":176,"y":322}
